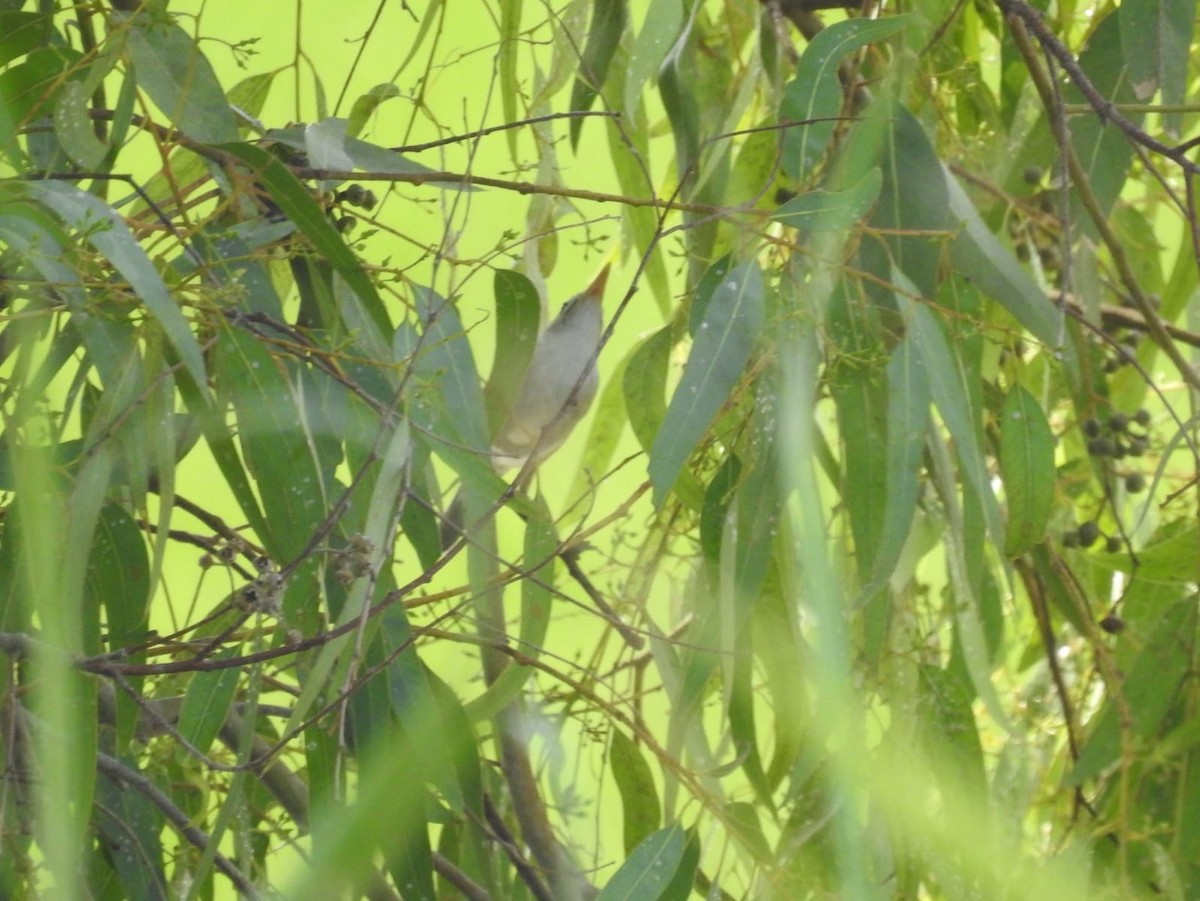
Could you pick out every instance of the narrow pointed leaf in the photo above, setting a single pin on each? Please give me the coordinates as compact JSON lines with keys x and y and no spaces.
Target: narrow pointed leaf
{"x":1027,"y":469}
{"x":724,"y":340}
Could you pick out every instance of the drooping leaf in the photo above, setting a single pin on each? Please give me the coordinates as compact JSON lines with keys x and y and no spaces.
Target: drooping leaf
{"x":180,"y":79}
{"x":131,"y":827}
{"x":298,"y":204}
{"x":907,"y":424}
{"x":815,"y":92}
{"x":649,"y":869}
{"x":654,"y":39}
{"x":275,"y":443}
{"x":207,"y":702}
{"x":635,"y":782}
{"x":724,"y":340}
{"x":366,"y":105}
{"x":518,"y":312}
{"x":604,"y":35}
{"x":1027,"y":469}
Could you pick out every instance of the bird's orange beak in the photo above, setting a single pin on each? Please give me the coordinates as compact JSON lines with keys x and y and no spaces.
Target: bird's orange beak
{"x":596,"y":288}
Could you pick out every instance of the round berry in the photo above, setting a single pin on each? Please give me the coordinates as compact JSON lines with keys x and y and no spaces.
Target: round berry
{"x":1088,"y":533}
{"x":1135,"y":482}
{"x":1142,"y":417}
{"x":1113,"y":545}
{"x":1091,"y":428}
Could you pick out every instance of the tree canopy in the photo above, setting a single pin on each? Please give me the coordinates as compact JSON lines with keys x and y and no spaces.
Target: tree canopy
{"x":870,"y":573}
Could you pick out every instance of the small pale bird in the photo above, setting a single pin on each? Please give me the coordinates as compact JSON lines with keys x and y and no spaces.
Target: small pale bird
{"x":559,"y":385}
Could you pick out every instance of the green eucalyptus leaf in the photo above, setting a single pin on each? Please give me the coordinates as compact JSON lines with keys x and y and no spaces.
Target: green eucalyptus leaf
{"x":635,"y":783}
{"x":1027,"y":470}
{"x":813,"y":98}
{"x":604,"y":36}
{"x":649,"y":869}
{"x":180,"y":79}
{"x":722,"y":347}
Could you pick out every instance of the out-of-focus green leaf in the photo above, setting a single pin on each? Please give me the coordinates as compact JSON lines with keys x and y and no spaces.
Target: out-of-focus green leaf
{"x":649,"y":869}
{"x":816,"y":91}
{"x":28,"y":89}
{"x":180,"y":80}
{"x":1168,"y":558}
{"x":628,"y":146}
{"x":1150,"y":686}
{"x":831,"y":210}
{"x":723,"y":343}
{"x":229,"y":254}
{"x":22,"y":33}
{"x":609,"y":418}
{"x":859,"y":391}
{"x":742,"y":697}
{"x":639,"y":795}
{"x":907,"y":425}
{"x":948,"y":726}
{"x":608,"y":24}
{"x":717,"y":498}
{"x":743,"y":820}
{"x":781,"y":654}
{"x":645,"y":386}
{"x":537,"y":598}
{"x":1027,"y":469}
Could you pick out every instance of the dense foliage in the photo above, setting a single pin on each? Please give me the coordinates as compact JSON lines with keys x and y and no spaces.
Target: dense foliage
{"x":872,"y":574}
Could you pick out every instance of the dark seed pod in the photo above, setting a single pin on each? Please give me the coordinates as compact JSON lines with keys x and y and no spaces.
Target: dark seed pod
{"x":1135,"y":482}
{"x":1113,"y":545}
{"x":1091,"y":428}
{"x":1118,"y":422}
{"x":1088,"y":533}
{"x":1100,"y":447}
{"x":1033,"y":174}
{"x":1137,"y":446}
{"x":1112,"y":624}
{"x":1142,"y":417}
